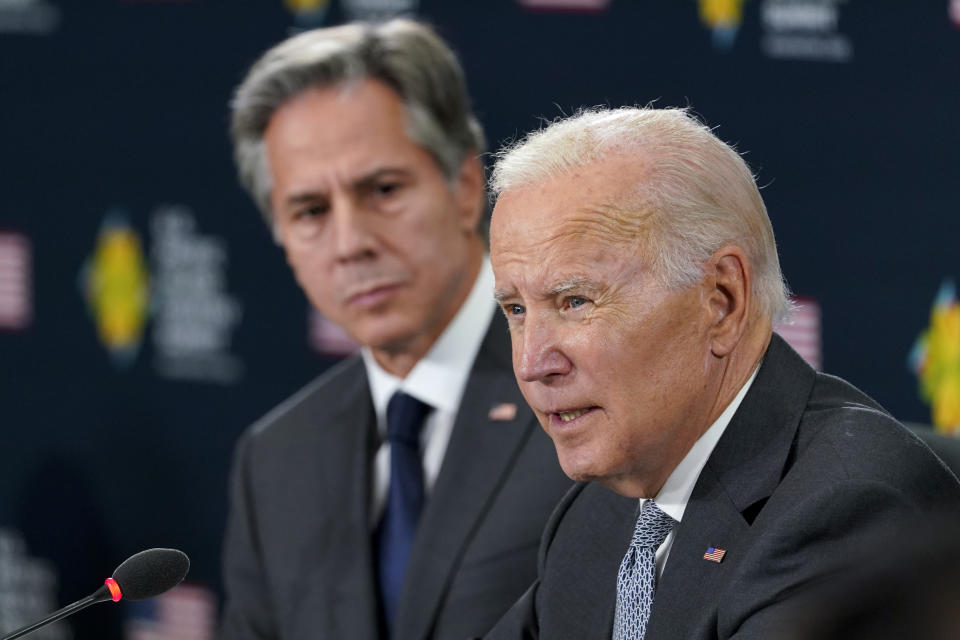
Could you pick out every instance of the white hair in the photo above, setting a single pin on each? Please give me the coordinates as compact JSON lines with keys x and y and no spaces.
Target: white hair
{"x":695,"y":195}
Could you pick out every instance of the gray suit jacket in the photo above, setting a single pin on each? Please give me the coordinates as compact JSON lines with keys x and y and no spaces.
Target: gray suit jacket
{"x":808,"y":472}
{"x":297,"y":556}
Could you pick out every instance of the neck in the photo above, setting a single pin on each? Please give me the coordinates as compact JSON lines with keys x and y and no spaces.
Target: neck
{"x":739,"y":366}
{"x":735,"y":370}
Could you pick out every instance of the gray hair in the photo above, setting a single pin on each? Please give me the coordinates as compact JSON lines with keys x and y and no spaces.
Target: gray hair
{"x":405,"y":55}
{"x":696,"y":195}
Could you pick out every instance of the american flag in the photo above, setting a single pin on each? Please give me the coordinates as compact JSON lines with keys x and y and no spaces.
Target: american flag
{"x":15,"y":299}
{"x":715,"y":555}
{"x":802,"y":330}
{"x":503,"y":412}
{"x":187,"y":612}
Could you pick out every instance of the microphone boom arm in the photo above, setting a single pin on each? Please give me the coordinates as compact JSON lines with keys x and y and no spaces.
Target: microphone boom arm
{"x":100,"y":595}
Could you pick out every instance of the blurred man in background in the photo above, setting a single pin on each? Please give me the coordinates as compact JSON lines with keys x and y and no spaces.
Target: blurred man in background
{"x":403,"y":493}
{"x":637,"y":268}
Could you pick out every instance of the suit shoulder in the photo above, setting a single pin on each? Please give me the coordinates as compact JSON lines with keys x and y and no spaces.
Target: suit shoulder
{"x":344,"y":380}
{"x":851,"y":437}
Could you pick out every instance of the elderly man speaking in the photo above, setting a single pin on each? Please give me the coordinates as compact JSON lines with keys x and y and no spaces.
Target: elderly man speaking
{"x":636,"y":265}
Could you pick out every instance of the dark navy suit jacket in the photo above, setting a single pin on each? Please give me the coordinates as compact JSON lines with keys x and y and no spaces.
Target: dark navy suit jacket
{"x":297,"y":558}
{"x":808,"y":472}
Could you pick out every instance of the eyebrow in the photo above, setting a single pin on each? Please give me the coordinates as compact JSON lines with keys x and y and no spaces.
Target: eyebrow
{"x":368,"y":180}
{"x":561,"y":287}
{"x":564,"y":286}
{"x":364,"y":182}
{"x":499,"y":295}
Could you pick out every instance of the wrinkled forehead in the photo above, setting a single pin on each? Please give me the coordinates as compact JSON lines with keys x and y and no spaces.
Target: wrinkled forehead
{"x":579,"y":208}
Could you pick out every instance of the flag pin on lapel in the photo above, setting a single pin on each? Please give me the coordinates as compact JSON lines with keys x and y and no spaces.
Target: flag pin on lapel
{"x":503,"y":412}
{"x":714,"y":555}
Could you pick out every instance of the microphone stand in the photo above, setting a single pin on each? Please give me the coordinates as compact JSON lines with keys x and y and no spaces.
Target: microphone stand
{"x":100,"y":595}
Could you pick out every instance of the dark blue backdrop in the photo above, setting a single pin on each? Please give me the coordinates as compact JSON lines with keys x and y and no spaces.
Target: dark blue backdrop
{"x":114,"y":121}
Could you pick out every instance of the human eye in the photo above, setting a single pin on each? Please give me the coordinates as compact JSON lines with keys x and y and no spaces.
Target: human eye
{"x":312,"y":211}
{"x":307,"y":220}
{"x":386,"y":188}
{"x":513,"y":310}
{"x":574,"y":303}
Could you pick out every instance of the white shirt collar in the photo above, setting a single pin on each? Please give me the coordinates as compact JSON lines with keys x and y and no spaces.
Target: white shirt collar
{"x":440,"y":377}
{"x":675,"y":493}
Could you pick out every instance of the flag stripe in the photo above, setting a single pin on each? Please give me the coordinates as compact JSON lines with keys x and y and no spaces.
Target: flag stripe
{"x":15,"y":286}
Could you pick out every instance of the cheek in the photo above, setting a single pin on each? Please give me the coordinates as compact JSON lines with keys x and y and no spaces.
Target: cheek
{"x":309,"y":269}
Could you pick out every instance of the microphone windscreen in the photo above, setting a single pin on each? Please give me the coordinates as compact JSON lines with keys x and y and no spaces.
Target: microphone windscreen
{"x":151,"y":572}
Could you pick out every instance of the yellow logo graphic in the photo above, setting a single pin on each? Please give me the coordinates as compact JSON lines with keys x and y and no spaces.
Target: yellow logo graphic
{"x":306,"y":5}
{"x":308,"y":13}
{"x":723,"y":18}
{"x":936,"y":361}
{"x":116,"y":284}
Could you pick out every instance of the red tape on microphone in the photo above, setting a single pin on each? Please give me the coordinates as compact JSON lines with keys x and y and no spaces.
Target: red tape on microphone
{"x":114,"y":589}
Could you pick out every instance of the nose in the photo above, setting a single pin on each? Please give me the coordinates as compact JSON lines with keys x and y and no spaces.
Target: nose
{"x":352,"y":237}
{"x":537,"y":353}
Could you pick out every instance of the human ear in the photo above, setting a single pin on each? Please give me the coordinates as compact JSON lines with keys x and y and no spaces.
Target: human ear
{"x":469,"y":192}
{"x":729,"y":297}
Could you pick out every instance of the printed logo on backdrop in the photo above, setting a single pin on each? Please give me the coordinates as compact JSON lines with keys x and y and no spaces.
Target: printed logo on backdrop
{"x":29,"y":17}
{"x":374,"y":10}
{"x":194,"y":314}
{"x":116,"y":286}
{"x":935,"y":359}
{"x":16,"y":306}
{"x":580,"y":6}
{"x":723,"y":18}
{"x":308,"y":13}
{"x":28,"y":589}
{"x":184,"y":291}
{"x":804,"y":30}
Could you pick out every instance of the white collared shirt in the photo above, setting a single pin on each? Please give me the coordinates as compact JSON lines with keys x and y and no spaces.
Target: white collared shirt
{"x":675,"y":493}
{"x":438,"y":379}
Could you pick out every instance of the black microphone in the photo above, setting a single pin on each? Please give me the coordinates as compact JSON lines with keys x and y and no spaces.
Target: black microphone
{"x":143,"y":575}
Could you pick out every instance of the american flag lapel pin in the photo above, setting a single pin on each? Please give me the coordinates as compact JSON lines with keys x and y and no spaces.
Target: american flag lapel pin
{"x":503,"y":412}
{"x":714,"y":555}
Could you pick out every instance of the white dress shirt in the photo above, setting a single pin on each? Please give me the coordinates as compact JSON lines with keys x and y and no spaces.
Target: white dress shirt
{"x":438,"y":379}
{"x":675,"y":493}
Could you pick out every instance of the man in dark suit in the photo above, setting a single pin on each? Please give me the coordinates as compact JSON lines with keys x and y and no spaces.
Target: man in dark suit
{"x":637,"y":268}
{"x":403,"y":493}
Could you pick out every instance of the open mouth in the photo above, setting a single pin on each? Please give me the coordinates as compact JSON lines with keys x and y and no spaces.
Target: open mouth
{"x":564,"y":417}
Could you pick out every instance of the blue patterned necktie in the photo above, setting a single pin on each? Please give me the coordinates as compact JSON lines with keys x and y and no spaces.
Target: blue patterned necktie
{"x":405,"y":416}
{"x":638,"y":573}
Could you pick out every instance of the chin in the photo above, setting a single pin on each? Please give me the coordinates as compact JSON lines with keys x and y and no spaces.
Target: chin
{"x":389,"y":341}
{"x":578,"y":467}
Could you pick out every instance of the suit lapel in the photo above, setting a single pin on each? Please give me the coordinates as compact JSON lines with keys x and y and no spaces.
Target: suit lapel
{"x":686,"y":595}
{"x":337,"y":569}
{"x":741,"y":473}
{"x":480,"y":452}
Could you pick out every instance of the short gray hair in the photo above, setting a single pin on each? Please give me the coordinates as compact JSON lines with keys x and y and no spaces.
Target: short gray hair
{"x":696,"y":195}
{"x":405,"y":55}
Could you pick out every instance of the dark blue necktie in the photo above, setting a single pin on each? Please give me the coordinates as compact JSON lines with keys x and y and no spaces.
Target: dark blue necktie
{"x":405,"y":415}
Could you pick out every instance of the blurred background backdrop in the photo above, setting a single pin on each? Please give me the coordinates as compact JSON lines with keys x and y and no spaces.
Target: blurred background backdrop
{"x":146,"y":317}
